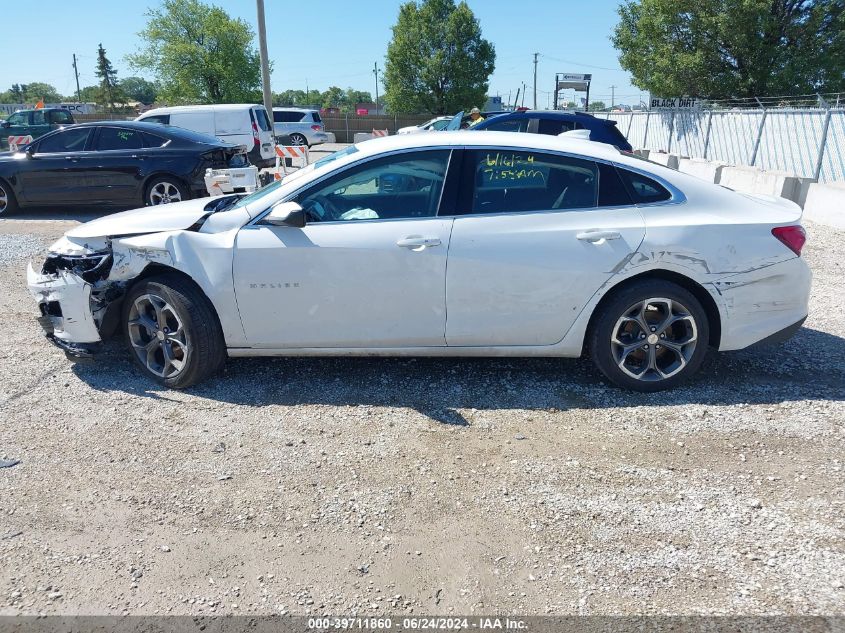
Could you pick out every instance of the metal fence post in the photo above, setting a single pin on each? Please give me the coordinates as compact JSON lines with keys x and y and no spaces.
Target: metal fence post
{"x":671,"y":133}
{"x":645,"y":132}
{"x":707,"y":134}
{"x":759,"y":136}
{"x":630,"y":124}
{"x":825,"y":127}
{"x":346,"y":116}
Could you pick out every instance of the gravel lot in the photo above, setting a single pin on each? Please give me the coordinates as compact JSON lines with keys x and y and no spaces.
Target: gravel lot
{"x":421,"y":486}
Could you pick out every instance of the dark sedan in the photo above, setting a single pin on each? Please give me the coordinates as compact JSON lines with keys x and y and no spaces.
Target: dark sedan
{"x":120,"y":163}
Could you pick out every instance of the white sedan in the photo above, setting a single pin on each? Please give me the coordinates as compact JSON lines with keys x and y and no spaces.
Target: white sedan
{"x":460,"y":244}
{"x":432,"y":125}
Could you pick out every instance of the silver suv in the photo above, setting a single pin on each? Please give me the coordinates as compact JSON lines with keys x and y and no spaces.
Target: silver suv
{"x":304,"y":127}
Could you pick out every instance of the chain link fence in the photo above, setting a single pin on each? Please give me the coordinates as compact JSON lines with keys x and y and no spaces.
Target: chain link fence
{"x":808,"y":142}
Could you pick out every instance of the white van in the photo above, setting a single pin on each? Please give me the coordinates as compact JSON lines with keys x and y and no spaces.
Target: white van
{"x":241,"y":124}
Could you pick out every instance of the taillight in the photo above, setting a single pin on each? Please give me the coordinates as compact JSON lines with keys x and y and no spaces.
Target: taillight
{"x":317,"y":128}
{"x":793,"y":237}
{"x":255,"y":139}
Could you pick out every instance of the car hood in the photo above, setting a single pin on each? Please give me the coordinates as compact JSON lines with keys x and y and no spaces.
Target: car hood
{"x":165,"y":217}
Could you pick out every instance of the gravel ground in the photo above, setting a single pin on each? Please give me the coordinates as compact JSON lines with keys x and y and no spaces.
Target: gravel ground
{"x":385,"y":486}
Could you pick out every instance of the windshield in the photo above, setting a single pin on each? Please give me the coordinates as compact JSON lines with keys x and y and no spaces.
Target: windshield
{"x":269,"y":189}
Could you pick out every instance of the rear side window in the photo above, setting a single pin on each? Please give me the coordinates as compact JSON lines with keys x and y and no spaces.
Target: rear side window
{"x":507,"y":181}
{"x":61,"y":117}
{"x":557,"y":126}
{"x":151,"y":140}
{"x":643,"y":190}
{"x":112,"y":138}
{"x":164,"y":119}
{"x":38,"y":118}
{"x":287,"y":116}
{"x":316,"y":117}
{"x":512,"y":125}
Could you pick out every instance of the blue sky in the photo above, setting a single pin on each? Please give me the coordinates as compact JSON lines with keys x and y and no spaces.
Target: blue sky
{"x":327,"y":43}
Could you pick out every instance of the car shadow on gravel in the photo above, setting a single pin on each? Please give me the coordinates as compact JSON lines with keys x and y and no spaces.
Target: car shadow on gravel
{"x":810,"y":366}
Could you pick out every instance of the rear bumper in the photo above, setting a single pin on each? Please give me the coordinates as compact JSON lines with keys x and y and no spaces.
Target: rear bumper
{"x":763,"y":304}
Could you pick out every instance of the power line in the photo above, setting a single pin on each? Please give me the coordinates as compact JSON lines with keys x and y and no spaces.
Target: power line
{"x":569,"y":61}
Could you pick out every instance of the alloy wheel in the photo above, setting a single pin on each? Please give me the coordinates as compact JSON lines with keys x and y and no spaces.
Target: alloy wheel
{"x":158,"y":336}
{"x":4,"y":199}
{"x":297,"y":139}
{"x":164,"y":193}
{"x":654,"y":339}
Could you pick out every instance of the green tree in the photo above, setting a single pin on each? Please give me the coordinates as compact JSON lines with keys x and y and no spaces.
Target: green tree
{"x":31,"y":93}
{"x":109,"y":93}
{"x":199,"y":54}
{"x":334,"y":97}
{"x":90,"y":94}
{"x":597,"y":106}
{"x":437,"y":61}
{"x":733,"y":48}
{"x":139,"y":89}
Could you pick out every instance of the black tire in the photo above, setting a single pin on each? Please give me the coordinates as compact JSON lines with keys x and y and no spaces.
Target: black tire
{"x":669,"y":357}
{"x":298,"y":139}
{"x":162,"y":188}
{"x":8,"y":201}
{"x":203,"y":350}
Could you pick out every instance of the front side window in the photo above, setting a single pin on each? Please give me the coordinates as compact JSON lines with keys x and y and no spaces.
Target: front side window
{"x":394,"y":187}
{"x":115,"y":138}
{"x":19,"y":118}
{"x":508,"y":180}
{"x":440,"y":125}
{"x":163,"y":119}
{"x":70,"y":140}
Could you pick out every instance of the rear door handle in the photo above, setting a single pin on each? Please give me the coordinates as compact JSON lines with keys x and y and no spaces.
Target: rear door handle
{"x":417,"y":242}
{"x":72,"y":159}
{"x":138,"y":157}
{"x":598,"y":236}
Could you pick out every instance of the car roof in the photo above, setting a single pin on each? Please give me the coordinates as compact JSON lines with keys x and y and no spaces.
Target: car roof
{"x":159,"y":130}
{"x":485,"y":138}
{"x":293,"y":109}
{"x":189,"y":108}
{"x":549,"y":114}
{"x":37,"y":109}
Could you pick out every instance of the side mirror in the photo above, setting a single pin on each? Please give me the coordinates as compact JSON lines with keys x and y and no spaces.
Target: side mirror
{"x":6,"y":124}
{"x":29,"y":150}
{"x":286,"y":214}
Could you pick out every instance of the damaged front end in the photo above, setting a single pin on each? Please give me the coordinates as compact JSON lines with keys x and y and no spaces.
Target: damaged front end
{"x":77,"y":302}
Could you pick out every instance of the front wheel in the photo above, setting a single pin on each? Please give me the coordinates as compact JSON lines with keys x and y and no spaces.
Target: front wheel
{"x":650,"y":336}
{"x":8,"y":202}
{"x":173,"y":331}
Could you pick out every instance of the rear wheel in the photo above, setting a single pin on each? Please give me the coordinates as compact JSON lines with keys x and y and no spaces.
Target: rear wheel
{"x":165,"y":190}
{"x":173,"y":332}
{"x":298,"y":139}
{"x":8,"y":202}
{"x":650,"y":336}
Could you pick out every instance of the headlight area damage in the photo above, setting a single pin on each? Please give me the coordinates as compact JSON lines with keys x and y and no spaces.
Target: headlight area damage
{"x":80,"y":286}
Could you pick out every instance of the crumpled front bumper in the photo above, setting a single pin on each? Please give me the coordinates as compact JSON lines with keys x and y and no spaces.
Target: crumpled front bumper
{"x":64,"y":303}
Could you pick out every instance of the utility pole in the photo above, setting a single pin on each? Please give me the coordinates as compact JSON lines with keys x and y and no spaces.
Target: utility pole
{"x":265,"y":64}
{"x":535,"y":80}
{"x":76,"y":72}
{"x":612,"y":96}
{"x":375,"y":73}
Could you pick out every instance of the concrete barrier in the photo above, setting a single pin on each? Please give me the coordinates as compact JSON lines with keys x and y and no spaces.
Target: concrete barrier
{"x":642,"y":153}
{"x":362,"y":136}
{"x":802,"y":189}
{"x":661,"y":158}
{"x":825,"y":204}
{"x":700,"y":168}
{"x":754,"y":180}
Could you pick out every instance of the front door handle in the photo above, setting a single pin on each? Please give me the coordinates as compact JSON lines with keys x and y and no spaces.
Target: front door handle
{"x":72,"y":159}
{"x":138,"y":157}
{"x":598,"y":236}
{"x":417,"y":242}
